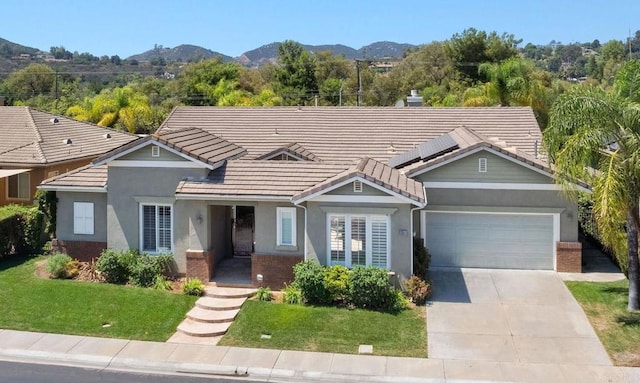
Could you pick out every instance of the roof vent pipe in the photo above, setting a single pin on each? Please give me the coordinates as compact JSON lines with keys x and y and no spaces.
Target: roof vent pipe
{"x":54,"y":120}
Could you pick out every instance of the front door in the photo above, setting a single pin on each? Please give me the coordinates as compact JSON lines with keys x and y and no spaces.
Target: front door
{"x":243,"y":230}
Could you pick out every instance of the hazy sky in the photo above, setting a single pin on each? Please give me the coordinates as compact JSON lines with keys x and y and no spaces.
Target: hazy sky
{"x":232,"y":27}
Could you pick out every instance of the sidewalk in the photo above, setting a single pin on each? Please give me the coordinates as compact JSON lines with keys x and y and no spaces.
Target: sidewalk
{"x":284,"y":366}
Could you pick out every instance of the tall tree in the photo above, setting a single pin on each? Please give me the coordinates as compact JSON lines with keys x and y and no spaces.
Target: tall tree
{"x":31,"y":81}
{"x":295,"y":75}
{"x":196,"y":82}
{"x":590,"y":128}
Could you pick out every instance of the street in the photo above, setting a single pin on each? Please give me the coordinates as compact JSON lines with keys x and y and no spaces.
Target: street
{"x":11,"y":372}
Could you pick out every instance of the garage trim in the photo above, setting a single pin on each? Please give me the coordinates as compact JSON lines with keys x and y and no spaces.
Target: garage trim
{"x":474,"y":210}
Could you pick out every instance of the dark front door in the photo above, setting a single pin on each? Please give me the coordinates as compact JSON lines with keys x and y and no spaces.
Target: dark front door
{"x":243,"y":231}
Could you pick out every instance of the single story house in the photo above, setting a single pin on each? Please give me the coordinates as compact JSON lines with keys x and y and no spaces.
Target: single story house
{"x":349,"y":186}
{"x":36,"y":145}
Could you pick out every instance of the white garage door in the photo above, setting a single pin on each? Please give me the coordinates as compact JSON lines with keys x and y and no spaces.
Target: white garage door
{"x":505,"y":241}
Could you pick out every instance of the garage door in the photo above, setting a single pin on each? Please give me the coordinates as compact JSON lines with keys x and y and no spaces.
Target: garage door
{"x":506,"y":241}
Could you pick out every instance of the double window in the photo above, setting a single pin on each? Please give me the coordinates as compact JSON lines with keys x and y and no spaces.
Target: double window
{"x":156,"y":228}
{"x":286,"y":226}
{"x":358,"y":240}
{"x":18,"y":186}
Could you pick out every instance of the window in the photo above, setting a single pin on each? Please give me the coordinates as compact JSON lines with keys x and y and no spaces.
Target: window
{"x":482,"y":165}
{"x":358,"y":240}
{"x":18,"y":186}
{"x":82,"y":218}
{"x":156,"y":228}
{"x":155,"y":151}
{"x":357,"y":186}
{"x":286,"y":226}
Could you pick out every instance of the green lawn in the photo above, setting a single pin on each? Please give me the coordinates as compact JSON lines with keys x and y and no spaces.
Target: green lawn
{"x":328,"y":329}
{"x":618,"y":329}
{"x":82,"y":308}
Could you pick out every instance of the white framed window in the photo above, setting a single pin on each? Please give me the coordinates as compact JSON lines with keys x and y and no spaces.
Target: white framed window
{"x":18,"y":186}
{"x":83,"y":218}
{"x":156,"y":228}
{"x":358,"y":239}
{"x":286,"y":226}
{"x":357,"y":186}
{"x":482,"y":165}
{"x":155,"y":151}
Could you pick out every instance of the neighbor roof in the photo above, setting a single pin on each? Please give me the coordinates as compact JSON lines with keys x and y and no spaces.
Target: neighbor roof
{"x":345,"y":135}
{"x":29,"y":136}
{"x":88,"y":176}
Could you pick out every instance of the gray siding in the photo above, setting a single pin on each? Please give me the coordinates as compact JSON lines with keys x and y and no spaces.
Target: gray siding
{"x":498,"y":170}
{"x":64,"y":228}
{"x":400,"y":230}
{"x":144,"y":154}
{"x":266,"y":229}
{"x":366,"y":191}
{"x":506,"y":201}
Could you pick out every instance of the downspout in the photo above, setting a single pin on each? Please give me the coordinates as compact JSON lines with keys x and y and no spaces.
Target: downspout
{"x":412,"y":211}
{"x":305,"y":228}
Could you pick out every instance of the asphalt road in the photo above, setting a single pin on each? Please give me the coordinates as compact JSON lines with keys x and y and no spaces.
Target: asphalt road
{"x":11,"y":372}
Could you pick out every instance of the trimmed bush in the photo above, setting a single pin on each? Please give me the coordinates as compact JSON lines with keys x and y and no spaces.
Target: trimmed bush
{"x":421,"y":258}
{"x":369,"y":288}
{"x":291,"y":295}
{"x":193,"y":286}
{"x":114,"y":265}
{"x":417,"y":290}
{"x":144,"y":270}
{"x":336,"y":279}
{"x":264,"y":294}
{"x":21,"y":230}
{"x":57,"y":266}
{"x":309,"y":278}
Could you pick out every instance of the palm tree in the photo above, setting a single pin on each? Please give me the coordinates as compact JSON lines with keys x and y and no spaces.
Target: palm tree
{"x":595,"y":136}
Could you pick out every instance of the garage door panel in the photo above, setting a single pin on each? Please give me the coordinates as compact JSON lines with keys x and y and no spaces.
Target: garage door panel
{"x":490,"y":240}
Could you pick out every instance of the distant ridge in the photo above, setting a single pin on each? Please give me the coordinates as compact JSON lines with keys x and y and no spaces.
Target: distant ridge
{"x":184,"y":53}
{"x":9,"y":49}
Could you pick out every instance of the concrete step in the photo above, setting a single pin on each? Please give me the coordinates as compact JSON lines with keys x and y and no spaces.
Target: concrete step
{"x":228,"y":292}
{"x":180,"y":337}
{"x":200,"y":329}
{"x":209,"y":303}
{"x":199,"y":314}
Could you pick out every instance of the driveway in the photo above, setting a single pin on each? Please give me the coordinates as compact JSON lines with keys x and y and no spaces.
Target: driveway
{"x":509,"y":316}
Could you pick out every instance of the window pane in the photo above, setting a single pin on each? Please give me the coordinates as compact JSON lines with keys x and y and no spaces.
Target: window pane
{"x":358,"y":240}
{"x":379,"y":241}
{"x":23,"y":192}
{"x":13,"y":186}
{"x":148,"y":228}
{"x":336,"y":237}
{"x":164,"y":228}
{"x":286,"y":228}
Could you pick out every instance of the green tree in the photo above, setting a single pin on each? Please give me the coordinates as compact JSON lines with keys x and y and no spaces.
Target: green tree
{"x":33,"y":80}
{"x":627,"y":81}
{"x":295,"y":75}
{"x":591,"y":128}
{"x":197,"y":81}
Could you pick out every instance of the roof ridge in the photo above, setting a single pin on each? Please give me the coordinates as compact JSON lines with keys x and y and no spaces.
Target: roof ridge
{"x":39,"y":140}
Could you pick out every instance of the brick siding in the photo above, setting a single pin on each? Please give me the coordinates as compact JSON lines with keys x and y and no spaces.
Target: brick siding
{"x":569,"y":257}
{"x":200,"y":264}
{"x":275,"y":269}
{"x":85,"y":251}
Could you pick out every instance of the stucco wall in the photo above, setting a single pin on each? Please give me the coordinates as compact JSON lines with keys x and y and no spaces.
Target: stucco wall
{"x":144,"y":154}
{"x":366,"y":191}
{"x":64,"y":227}
{"x":266,"y":230}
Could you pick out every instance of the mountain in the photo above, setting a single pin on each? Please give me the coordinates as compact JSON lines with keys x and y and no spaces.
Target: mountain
{"x":9,"y":49}
{"x":384,"y":49}
{"x":184,"y":53}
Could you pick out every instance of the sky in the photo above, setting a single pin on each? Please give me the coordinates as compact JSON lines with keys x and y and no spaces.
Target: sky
{"x":128,"y":27}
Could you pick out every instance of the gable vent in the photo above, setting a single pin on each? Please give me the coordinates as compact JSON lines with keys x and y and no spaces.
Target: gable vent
{"x":357,"y":186}
{"x":482,"y":165}
{"x":155,"y":151}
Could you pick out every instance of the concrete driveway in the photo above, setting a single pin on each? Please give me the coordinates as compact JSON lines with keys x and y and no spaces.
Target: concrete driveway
{"x":509,"y":316}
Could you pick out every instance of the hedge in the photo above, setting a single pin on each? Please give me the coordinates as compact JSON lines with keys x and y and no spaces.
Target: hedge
{"x":21,"y":230}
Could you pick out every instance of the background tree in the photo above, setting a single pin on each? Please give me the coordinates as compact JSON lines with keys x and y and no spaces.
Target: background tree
{"x":197,"y":83}
{"x":295,"y":74}
{"x":35,"y":79}
{"x":591,"y":128}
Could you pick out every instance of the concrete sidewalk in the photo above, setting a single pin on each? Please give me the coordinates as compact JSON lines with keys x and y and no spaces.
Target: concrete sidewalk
{"x":283,"y":366}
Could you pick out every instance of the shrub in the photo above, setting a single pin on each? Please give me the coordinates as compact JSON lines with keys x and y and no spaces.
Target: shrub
{"x":291,"y":295}
{"x":167,"y":264}
{"x":264,"y":294}
{"x":421,"y":258}
{"x":73,"y":268}
{"x":57,"y":265}
{"x":161,"y":283}
{"x":369,"y":288}
{"x":193,"y":286}
{"x":309,"y":278}
{"x":21,"y":230}
{"x":417,"y":290}
{"x":401,"y":302}
{"x":114,"y":265}
{"x":336,"y":279}
{"x":144,"y":270}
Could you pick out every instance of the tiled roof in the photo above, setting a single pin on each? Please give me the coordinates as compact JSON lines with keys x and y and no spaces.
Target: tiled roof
{"x":469,"y":140}
{"x":376,"y":172}
{"x":88,"y":176}
{"x":200,"y":144}
{"x":293,"y":149}
{"x":29,"y":136}
{"x":260,"y":178}
{"x":345,"y":135}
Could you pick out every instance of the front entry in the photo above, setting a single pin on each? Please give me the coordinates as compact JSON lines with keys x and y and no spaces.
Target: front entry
{"x":243,"y":230}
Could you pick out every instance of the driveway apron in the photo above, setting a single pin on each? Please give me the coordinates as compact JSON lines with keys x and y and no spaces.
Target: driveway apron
{"x":509,"y":316}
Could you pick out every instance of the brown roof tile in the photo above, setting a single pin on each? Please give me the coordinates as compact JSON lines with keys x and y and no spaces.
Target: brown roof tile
{"x":88,"y":176}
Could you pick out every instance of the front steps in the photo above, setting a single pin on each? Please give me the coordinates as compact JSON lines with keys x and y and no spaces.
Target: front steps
{"x":212,"y":315}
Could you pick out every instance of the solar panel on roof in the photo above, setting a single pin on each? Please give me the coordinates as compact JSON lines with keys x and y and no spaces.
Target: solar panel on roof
{"x":425,"y":151}
{"x":404,"y":158}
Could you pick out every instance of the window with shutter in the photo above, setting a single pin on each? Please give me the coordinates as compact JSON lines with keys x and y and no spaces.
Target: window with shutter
{"x":82,"y":218}
{"x":156,"y":228}
{"x":358,"y":240}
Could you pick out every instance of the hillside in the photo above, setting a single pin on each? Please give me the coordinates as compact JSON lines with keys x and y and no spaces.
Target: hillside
{"x":9,"y":49}
{"x":183,"y":53}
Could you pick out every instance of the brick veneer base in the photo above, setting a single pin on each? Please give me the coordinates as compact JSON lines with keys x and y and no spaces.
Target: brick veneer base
{"x":275,"y":269}
{"x":569,"y":257}
{"x":200,"y":264}
{"x":84,"y":251}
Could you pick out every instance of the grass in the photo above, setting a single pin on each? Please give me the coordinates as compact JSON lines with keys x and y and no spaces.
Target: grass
{"x":82,"y":308}
{"x":328,"y":329}
{"x":618,"y":329}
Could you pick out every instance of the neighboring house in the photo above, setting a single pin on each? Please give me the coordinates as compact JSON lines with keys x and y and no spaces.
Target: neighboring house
{"x":347,"y":186}
{"x":36,"y":145}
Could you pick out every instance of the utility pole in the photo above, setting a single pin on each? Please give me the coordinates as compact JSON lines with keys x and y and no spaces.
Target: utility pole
{"x":359,"y":91}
